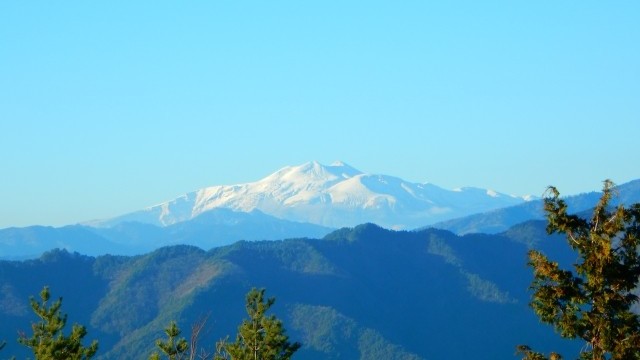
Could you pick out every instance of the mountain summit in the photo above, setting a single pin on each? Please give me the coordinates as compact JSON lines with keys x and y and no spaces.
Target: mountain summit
{"x":335,"y":195}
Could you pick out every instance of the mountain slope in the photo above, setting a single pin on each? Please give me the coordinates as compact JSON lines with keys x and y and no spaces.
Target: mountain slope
{"x":211,"y":229}
{"x":334,"y":196}
{"x":30,"y":242}
{"x":499,"y":220}
{"x":361,"y":293}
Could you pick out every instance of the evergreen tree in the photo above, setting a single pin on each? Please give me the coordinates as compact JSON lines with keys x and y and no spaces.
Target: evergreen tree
{"x":175,"y":347}
{"x":261,"y":336}
{"x":593,"y":302}
{"x":48,"y":341}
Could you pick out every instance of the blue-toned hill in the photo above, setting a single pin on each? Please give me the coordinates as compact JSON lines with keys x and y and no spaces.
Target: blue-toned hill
{"x":362,"y":292}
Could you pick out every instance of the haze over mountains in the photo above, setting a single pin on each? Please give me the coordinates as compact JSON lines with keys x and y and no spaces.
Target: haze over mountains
{"x":214,"y":228}
{"x":499,"y":220}
{"x":309,"y":200}
{"x":334,"y":196}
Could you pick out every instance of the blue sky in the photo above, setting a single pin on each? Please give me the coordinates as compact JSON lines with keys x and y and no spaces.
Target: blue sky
{"x":110,"y":106}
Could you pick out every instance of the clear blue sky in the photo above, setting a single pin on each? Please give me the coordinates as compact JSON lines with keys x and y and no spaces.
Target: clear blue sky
{"x":110,"y":106}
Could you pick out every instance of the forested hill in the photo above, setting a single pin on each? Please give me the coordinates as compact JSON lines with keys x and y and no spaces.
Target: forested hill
{"x":361,"y":293}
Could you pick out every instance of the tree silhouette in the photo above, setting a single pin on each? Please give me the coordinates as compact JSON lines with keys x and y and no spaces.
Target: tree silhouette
{"x":175,"y":347}
{"x":261,"y":336}
{"x":594,"y":301}
{"x":48,"y":341}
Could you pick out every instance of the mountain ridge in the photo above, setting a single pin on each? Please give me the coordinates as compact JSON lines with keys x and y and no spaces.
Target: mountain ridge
{"x":362,"y":292}
{"x":499,"y":220}
{"x":334,"y":196}
{"x":211,"y":229}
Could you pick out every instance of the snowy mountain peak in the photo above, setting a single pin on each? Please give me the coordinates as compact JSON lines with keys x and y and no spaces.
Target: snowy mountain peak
{"x":333,"y":195}
{"x":311,"y":175}
{"x":337,"y":168}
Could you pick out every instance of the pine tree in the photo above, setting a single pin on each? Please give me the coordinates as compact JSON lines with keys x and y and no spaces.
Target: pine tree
{"x":261,"y":336}
{"x":48,"y":341}
{"x":175,"y":347}
{"x":593,"y":302}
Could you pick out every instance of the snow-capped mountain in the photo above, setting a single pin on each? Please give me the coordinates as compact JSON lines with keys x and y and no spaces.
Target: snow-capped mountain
{"x":335,"y":196}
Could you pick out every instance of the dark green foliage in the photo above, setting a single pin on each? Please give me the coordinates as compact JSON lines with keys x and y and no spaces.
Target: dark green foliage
{"x":339,"y":337}
{"x":261,"y":336}
{"x":48,"y":341}
{"x":593,"y":302}
{"x":364,"y":271}
{"x":529,"y":354}
{"x":175,"y":347}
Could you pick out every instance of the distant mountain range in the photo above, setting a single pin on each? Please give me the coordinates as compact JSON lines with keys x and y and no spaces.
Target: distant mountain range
{"x":499,"y":220}
{"x":332,"y":196}
{"x":210,"y":229}
{"x":291,"y":203}
{"x":358,"y":293}
{"x":309,"y":200}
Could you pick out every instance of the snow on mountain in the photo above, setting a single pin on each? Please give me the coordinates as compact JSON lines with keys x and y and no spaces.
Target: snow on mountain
{"x":336,"y":195}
